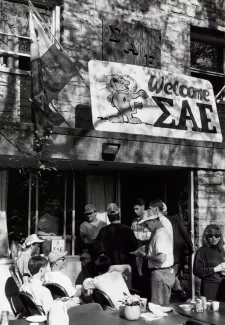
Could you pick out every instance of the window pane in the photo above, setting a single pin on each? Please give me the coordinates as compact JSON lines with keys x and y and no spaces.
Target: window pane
{"x":206,"y":56}
{"x":217,"y":82}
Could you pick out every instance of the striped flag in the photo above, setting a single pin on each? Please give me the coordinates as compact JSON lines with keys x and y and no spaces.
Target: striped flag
{"x":51,"y":70}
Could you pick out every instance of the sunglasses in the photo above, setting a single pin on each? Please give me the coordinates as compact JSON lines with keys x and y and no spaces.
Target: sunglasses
{"x":61,"y":259}
{"x":215,"y":235}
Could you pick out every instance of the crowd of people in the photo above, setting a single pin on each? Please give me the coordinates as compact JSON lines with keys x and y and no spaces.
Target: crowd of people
{"x":146,"y":257}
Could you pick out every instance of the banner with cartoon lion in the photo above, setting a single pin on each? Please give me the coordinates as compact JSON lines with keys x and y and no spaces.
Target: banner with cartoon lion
{"x":133,"y":99}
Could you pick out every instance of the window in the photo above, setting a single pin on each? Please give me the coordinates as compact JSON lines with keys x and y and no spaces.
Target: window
{"x":15,"y":55}
{"x":207,"y":56}
{"x":14,"y":32}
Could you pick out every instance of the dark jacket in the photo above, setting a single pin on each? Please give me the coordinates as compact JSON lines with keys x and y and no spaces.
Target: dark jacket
{"x":116,"y":241}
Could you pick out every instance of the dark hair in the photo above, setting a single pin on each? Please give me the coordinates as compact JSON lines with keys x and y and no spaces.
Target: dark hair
{"x":209,"y":230}
{"x":113,"y":217}
{"x":157,"y":203}
{"x":102,"y":264}
{"x":139,"y":201}
{"x":35,"y":263}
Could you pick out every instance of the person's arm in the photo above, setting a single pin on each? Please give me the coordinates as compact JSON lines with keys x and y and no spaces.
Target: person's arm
{"x":25,"y":271}
{"x":83,"y":233}
{"x":47,"y":301}
{"x":99,"y":243}
{"x":201,"y":268}
{"x":120,"y":268}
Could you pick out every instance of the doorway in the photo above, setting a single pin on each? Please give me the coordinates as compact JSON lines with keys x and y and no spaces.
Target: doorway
{"x":168,"y":186}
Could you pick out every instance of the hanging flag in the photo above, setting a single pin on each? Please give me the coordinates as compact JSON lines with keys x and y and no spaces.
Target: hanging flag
{"x":51,"y":70}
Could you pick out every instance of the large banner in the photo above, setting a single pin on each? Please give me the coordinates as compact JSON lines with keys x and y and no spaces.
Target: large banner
{"x":138,"y":100}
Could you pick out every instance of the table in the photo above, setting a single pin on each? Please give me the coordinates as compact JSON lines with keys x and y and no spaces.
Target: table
{"x":209,"y":316}
{"x":112,"y":318}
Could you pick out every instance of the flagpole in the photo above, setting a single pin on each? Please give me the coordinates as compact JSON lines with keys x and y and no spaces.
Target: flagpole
{"x":43,"y":22}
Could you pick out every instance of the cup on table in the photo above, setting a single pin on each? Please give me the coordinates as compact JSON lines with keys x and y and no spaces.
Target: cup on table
{"x":143,"y":304}
{"x":215,"y":305}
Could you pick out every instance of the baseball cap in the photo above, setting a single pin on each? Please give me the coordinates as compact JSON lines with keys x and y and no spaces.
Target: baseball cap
{"x":112,"y":209}
{"x":154,"y":216}
{"x":89,"y":208}
{"x":55,"y":256}
{"x":32,"y":239}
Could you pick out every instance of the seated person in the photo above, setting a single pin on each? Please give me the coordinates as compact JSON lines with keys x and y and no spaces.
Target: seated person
{"x":37,"y":266}
{"x":109,"y":280}
{"x":57,"y":263}
{"x":31,"y":244}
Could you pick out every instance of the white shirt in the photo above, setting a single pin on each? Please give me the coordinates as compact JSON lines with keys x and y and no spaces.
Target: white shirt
{"x":167,"y":225}
{"x":41,"y":295}
{"x":61,"y":279}
{"x":113,"y":284}
{"x":161,"y":243}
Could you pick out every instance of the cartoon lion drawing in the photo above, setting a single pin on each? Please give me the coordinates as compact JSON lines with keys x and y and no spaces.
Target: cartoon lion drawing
{"x":123,"y":89}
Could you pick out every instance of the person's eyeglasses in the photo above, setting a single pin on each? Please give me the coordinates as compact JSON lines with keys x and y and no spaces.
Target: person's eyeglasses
{"x":215,"y":235}
{"x":61,"y":259}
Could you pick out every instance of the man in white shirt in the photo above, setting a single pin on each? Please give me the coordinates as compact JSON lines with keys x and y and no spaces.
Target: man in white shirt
{"x":160,"y":260}
{"x":57,"y":262}
{"x":109,"y":280}
{"x":37,"y":266}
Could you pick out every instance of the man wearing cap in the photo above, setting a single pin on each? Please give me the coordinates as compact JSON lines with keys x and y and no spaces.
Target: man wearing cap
{"x":116,"y":240}
{"x":160,"y":260}
{"x":57,"y":263}
{"x":89,"y":230}
{"x":158,"y":207}
{"x":31,"y":245}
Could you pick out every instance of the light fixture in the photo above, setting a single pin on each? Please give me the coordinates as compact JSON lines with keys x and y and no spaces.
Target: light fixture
{"x":110,"y":150}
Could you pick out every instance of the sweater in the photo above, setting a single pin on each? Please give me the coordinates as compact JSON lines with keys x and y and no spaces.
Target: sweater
{"x":206,"y":259}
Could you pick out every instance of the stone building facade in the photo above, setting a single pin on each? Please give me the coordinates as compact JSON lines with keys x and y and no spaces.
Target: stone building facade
{"x":174,"y":27}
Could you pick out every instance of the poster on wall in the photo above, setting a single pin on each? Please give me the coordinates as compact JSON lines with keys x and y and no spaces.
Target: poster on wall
{"x":139,"y":100}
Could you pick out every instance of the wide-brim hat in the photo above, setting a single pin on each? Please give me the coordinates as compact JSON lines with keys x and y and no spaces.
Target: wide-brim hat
{"x":149,"y":218}
{"x":55,"y":256}
{"x":32,"y":239}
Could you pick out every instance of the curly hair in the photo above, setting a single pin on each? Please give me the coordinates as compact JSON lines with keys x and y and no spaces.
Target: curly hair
{"x":211,"y":229}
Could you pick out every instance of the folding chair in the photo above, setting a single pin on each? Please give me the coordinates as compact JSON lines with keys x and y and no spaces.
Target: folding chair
{"x":31,"y":308}
{"x":15,"y":275}
{"x":56,"y":290}
{"x":102,"y":299}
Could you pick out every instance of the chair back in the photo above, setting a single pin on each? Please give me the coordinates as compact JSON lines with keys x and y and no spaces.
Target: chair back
{"x":102,"y":299}
{"x":15,"y":275}
{"x":196,"y":322}
{"x":31,"y":308}
{"x":56,"y":290}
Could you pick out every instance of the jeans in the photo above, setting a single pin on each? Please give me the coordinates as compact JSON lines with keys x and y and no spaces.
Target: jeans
{"x":162,"y":281}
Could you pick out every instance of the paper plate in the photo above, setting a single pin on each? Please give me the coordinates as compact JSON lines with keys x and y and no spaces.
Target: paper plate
{"x":36,"y":319}
{"x":186,"y":306}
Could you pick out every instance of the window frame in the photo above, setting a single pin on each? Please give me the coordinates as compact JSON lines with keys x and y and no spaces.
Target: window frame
{"x":55,"y":29}
{"x":200,"y":34}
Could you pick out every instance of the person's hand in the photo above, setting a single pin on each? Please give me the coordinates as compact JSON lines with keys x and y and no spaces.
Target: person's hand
{"x":220,"y":267}
{"x":140,"y":252}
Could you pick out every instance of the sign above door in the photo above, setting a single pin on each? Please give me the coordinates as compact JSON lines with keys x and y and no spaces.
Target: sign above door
{"x":139,"y":100}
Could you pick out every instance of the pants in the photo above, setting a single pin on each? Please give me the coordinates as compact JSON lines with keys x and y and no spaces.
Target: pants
{"x":162,"y":282}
